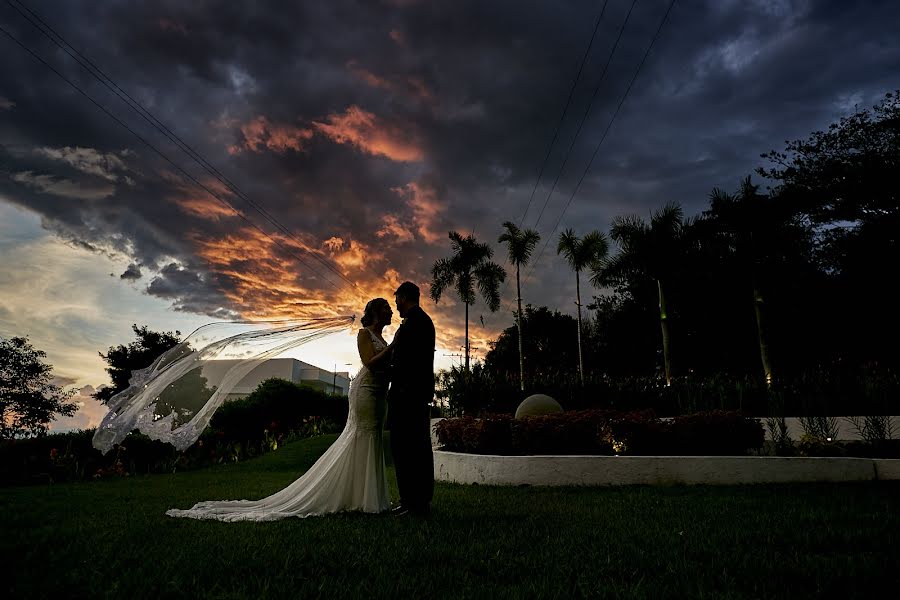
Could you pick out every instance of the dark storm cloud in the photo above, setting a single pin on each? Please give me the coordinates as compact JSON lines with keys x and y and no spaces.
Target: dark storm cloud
{"x":132,"y":272}
{"x":389,"y":123}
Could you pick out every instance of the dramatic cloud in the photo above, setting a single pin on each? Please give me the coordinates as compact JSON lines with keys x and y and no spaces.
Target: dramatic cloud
{"x":90,"y":161}
{"x":58,"y":186}
{"x":361,"y":133}
{"x":362,"y":129}
{"x":132,"y":272}
{"x":260,"y":134}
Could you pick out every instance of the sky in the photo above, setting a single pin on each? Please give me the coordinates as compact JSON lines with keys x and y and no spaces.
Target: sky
{"x":362,"y":133}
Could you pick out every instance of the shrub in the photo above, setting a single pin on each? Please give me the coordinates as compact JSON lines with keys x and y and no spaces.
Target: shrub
{"x":603,"y":432}
{"x":275,"y":412}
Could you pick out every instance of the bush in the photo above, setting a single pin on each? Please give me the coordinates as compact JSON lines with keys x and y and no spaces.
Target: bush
{"x":601,"y":432}
{"x":277,"y":411}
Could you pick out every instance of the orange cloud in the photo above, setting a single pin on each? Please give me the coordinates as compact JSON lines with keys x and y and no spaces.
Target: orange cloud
{"x":266,"y":280}
{"x":260,"y":133}
{"x":392,"y":228}
{"x":351,"y":255}
{"x":412,"y":87}
{"x":363,"y":130}
{"x":426,"y":208}
{"x":398,"y":37}
{"x":195,"y":201}
{"x":368,"y":77}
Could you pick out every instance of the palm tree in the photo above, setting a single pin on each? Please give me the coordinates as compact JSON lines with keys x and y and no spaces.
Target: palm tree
{"x":468,"y":266}
{"x":589,"y":251}
{"x":651,"y":251}
{"x":752,"y":227}
{"x":520,"y":244}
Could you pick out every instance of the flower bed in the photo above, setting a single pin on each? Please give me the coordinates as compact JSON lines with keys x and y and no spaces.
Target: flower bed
{"x":603,"y":432}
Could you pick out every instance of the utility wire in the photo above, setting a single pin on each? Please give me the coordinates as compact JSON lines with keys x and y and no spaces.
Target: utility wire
{"x":580,"y":124}
{"x":587,"y":111}
{"x":565,"y":111}
{"x":606,"y":131}
{"x":161,"y":154}
{"x":141,"y":110}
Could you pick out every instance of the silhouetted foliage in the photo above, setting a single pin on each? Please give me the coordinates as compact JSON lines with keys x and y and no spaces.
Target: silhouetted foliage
{"x":469,"y":266}
{"x":28,"y":398}
{"x":138,"y":354}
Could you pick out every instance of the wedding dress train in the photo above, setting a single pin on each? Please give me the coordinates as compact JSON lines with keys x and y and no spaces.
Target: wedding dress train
{"x":350,"y":476}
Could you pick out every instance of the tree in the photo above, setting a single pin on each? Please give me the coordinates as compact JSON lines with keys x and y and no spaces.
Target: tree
{"x":844,"y":180}
{"x":653,"y":251}
{"x":587,"y":252}
{"x":548,"y":341}
{"x":28,"y":399}
{"x":468,"y":266}
{"x":520,"y":244}
{"x":739,"y":215}
{"x":139,"y":354}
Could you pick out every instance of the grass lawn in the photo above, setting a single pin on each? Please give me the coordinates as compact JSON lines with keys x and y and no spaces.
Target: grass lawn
{"x":111,"y":539}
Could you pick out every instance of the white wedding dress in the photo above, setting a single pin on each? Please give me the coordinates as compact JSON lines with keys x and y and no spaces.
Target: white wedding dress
{"x":350,"y":476}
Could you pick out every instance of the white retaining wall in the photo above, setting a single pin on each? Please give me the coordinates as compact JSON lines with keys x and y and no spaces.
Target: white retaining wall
{"x":456,"y":467}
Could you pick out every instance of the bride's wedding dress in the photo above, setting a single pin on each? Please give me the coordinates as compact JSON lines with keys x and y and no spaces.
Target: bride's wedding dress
{"x":350,"y":476}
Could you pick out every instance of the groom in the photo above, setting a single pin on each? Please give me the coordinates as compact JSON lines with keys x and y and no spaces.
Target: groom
{"x":409,"y":414}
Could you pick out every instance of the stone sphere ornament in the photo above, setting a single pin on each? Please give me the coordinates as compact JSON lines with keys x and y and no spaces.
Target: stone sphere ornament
{"x":536,"y":405}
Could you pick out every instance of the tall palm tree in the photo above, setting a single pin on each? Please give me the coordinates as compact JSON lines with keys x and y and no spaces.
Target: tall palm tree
{"x":468,"y":266}
{"x":651,"y":251}
{"x":587,"y":252}
{"x":753,"y":227}
{"x":520,"y":244}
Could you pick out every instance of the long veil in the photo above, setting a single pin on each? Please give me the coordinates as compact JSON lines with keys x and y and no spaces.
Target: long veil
{"x":174,"y":398}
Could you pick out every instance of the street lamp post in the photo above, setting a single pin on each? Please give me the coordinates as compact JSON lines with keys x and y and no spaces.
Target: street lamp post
{"x":334,"y":378}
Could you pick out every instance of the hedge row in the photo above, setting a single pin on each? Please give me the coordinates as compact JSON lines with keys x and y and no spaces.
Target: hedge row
{"x":277,"y":411}
{"x":604,"y":432}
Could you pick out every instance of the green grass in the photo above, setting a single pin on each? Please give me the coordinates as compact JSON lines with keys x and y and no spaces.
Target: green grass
{"x":112,"y":539}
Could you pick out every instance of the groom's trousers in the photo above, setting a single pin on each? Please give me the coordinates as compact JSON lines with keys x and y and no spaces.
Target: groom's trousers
{"x":410,"y":423}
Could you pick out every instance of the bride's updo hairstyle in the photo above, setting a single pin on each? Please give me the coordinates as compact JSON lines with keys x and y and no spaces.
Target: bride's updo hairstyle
{"x":372,"y":308}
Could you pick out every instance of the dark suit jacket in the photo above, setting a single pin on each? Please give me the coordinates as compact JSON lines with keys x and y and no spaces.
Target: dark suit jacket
{"x":412,"y":372}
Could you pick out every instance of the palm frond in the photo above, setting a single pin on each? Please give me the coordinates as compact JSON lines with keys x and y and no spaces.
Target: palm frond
{"x":442,"y":278}
{"x":489,"y":276}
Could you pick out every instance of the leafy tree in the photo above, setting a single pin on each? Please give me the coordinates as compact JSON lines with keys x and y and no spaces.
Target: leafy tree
{"x":548,"y":341}
{"x":848,"y":172}
{"x":653,"y":251}
{"x":582,"y":253}
{"x":520,"y":245}
{"x":844,"y":180}
{"x":468,"y":266}
{"x":28,"y":399}
{"x":138,"y":354}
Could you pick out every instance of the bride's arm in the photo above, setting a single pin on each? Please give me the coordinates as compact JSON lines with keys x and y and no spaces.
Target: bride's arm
{"x":367,"y":354}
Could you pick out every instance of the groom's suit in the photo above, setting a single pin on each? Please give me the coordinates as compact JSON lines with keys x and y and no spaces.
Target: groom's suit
{"x":409,"y":414}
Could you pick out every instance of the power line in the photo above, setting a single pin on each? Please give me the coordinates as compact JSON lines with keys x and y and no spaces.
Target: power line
{"x":580,"y":125}
{"x":565,"y":110}
{"x":157,"y":151}
{"x":587,"y":111}
{"x":606,"y":131}
{"x":141,"y":110}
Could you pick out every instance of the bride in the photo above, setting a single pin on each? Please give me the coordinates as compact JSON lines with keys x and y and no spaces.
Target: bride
{"x":350,"y":476}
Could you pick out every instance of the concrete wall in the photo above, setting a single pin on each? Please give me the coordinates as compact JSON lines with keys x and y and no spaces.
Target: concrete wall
{"x":654,"y":470}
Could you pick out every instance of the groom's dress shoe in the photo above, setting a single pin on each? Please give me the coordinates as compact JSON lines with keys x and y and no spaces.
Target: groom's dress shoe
{"x":399,"y":511}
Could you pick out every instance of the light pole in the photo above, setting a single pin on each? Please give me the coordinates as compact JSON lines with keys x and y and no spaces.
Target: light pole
{"x":334,"y":378}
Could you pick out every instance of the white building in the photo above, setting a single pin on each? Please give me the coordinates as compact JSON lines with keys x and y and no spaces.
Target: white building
{"x":290,"y":369}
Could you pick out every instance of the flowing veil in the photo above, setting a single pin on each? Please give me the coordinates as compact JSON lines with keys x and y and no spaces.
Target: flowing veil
{"x":174,"y":398}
